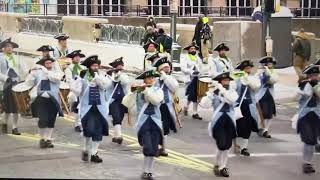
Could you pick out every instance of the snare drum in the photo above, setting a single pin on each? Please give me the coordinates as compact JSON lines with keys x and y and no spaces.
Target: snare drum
{"x":203,"y":86}
{"x":21,"y":97}
{"x":64,"y":91}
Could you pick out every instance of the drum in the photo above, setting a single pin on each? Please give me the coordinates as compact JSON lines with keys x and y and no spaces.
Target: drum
{"x":21,"y":97}
{"x":64,"y":91}
{"x":203,"y":86}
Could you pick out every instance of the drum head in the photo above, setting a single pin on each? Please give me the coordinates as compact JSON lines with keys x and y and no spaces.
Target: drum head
{"x":64,"y":85}
{"x":205,"y":79}
{"x":21,"y":87}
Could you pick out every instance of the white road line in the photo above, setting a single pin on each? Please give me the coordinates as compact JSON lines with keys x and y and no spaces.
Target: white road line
{"x":252,"y":155}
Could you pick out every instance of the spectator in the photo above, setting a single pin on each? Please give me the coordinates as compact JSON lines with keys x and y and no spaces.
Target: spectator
{"x":150,"y":34}
{"x":197,"y":34}
{"x":164,"y":41}
{"x":301,"y":52}
{"x":150,"y":22}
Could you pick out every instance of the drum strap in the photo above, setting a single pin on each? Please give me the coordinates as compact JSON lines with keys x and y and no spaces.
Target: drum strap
{"x":243,"y":95}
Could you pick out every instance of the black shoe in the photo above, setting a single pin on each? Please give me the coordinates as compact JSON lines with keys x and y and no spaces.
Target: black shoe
{"x":216,"y":170}
{"x":260,"y":132}
{"x":245,"y":152}
{"x":96,"y":159}
{"x":317,"y":148}
{"x":117,"y":140}
{"x":224,"y":172}
{"x":196,"y":116}
{"x":163,"y":152}
{"x":4,"y":128}
{"x":85,"y":156}
{"x":77,"y":129}
{"x":43,"y":144}
{"x":308,"y":168}
{"x":49,"y":144}
{"x":150,"y":176}
{"x":266,"y":134}
{"x":15,"y":131}
{"x":144,"y":176}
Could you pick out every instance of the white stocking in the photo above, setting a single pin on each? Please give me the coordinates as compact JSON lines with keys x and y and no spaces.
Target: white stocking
{"x":15,"y":118}
{"x":195,"y":108}
{"x":94,"y":147}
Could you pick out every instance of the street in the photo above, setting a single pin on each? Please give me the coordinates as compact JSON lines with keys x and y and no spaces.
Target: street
{"x":191,"y":153}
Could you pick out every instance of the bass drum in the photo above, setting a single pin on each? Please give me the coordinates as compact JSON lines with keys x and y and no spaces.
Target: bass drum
{"x":22,"y":99}
{"x":203,"y":86}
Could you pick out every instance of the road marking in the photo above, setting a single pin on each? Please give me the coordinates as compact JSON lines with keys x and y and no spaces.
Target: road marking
{"x":251,"y":155}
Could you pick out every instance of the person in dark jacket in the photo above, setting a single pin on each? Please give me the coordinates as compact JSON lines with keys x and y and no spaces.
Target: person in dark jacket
{"x":150,"y":34}
{"x":301,"y":53}
{"x":161,"y":40}
{"x":197,"y":35}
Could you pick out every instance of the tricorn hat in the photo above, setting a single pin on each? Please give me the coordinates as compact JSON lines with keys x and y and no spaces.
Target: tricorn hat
{"x":44,"y":59}
{"x":75,"y":53}
{"x":221,"y":46}
{"x":244,"y":64}
{"x":61,"y":37}
{"x":91,"y":60}
{"x":149,"y":73}
{"x":117,"y":62}
{"x":193,"y":44}
{"x":221,"y":76}
{"x":161,"y":63}
{"x":268,"y":59}
{"x":8,"y":41}
{"x":45,"y":48}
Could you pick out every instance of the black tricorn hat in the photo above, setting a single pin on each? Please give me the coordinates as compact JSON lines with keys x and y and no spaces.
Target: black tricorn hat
{"x":153,"y":57}
{"x":224,"y":75}
{"x":150,"y":41}
{"x":244,"y":64}
{"x":193,"y":44}
{"x":8,"y":41}
{"x":91,"y":60}
{"x":44,"y":59}
{"x":75,"y":53}
{"x":61,"y":37}
{"x":161,"y":61}
{"x":117,"y":62}
{"x":149,"y":73}
{"x":268,"y":59}
{"x":221,"y":46}
{"x":311,"y":69}
{"x":45,"y":48}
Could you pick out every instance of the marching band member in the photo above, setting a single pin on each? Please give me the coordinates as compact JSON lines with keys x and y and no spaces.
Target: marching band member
{"x":265,"y":95}
{"x":247,"y":86}
{"x":61,"y":51}
{"x":93,"y":109}
{"x":12,"y":71}
{"x":46,"y":82}
{"x":147,"y":99}
{"x":308,"y":125}
{"x":71,"y":73}
{"x":222,"y":127}
{"x":45,"y":51}
{"x":221,"y":63}
{"x":116,"y":93}
{"x":169,"y":86}
{"x":190,"y":67}
{"x":151,"y":49}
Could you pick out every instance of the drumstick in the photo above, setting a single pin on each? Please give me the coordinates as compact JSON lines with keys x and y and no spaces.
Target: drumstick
{"x":64,"y":103}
